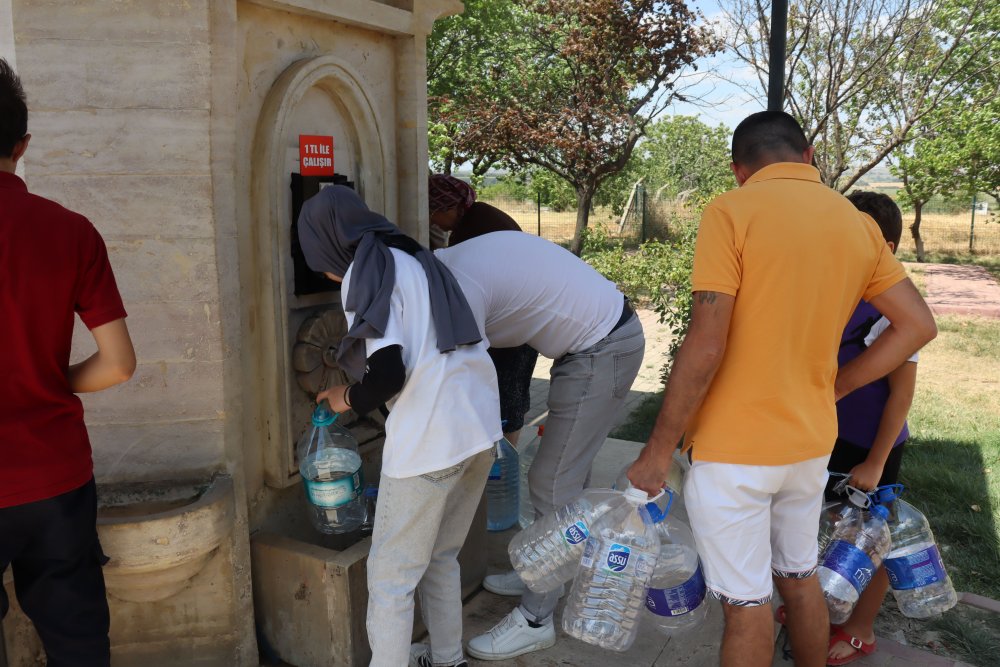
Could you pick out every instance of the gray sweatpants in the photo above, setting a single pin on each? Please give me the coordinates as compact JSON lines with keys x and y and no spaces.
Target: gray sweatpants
{"x":420,"y":526}
{"x":586,"y":393}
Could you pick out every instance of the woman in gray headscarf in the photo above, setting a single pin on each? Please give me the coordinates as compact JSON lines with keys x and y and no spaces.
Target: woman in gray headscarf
{"x":412,"y":341}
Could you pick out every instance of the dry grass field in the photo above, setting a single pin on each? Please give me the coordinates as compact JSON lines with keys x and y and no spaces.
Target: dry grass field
{"x":949,"y":234}
{"x":943,"y":234}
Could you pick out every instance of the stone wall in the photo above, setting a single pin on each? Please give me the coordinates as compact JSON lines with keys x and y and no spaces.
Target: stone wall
{"x":119,"y":116}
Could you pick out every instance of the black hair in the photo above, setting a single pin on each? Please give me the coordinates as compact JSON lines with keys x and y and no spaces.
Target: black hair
{"x":767,"y":135}
{"x":883,"y":210}
{"x":13,"y":110}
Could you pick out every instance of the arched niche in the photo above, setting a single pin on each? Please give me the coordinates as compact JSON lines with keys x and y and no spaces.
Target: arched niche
{"x":321,"y":95}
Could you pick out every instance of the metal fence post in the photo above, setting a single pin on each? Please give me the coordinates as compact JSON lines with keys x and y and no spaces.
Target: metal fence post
{"x":642,"y":213}
{"x":538,"y":210}
{"x":972,"y":224}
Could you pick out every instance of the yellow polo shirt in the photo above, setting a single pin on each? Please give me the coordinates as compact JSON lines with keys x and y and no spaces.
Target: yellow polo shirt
{"x":798,"y":257}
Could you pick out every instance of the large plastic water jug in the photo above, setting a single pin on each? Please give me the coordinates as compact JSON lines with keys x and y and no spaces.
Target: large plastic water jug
{"x":331,"y":474}
{"x":856,"y":549}
{"x":675,"y":484}
{"x":675,"y":601}
{"x":919,"y":582}
{"x":606,"y":603}
{"x":547,"y":553}
{"x":503,"y":488}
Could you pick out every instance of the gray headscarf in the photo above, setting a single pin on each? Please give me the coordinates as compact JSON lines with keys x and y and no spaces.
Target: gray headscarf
{"x":336,"y":229}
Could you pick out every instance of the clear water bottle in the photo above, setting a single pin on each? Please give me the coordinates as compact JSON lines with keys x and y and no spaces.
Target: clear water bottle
{"x":857,"y":547}
{"x":678,"y":471}
{"x":503,"y":489}
{"x":331,"y":474}
{"x":675,"y":601}
{"x":547,"y":553}
{"x":527,"y":456}
{"x":370,"y":496}
{"x":606,"y":602}
{"x":829,"y":517}
{"x":919,"y":582}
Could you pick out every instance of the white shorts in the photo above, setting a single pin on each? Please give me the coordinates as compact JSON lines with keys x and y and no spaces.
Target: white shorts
{"x":752,"y":522}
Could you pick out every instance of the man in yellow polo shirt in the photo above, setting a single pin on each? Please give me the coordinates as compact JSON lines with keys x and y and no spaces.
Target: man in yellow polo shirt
{"x":780,"y":263}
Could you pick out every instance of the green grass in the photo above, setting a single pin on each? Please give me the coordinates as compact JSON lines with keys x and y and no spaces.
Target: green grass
{"x":640,"y":422}
{"x":972,"y":634}
{"x":953,"y":458}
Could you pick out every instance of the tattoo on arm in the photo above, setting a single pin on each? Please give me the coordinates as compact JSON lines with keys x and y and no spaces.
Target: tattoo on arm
{"x":707,"y":297}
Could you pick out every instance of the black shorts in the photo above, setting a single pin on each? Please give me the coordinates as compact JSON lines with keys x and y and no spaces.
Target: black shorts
{"x":56,"y":559}
{"x":845,"y":456}
{"x":514,"y":368}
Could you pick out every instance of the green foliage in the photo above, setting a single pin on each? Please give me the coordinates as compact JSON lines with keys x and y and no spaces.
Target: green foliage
{"x":657,"y":273}
{"x":680,"y":157}
{"x":579,"y":86}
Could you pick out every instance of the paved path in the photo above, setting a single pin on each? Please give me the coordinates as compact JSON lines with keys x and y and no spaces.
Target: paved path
{"x":960,"y":289}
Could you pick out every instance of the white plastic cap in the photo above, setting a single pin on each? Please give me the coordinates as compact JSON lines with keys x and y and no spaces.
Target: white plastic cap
{"x":637,"y":496}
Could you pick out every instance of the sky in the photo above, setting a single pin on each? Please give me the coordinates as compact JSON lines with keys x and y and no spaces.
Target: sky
{"x":721,"y":101}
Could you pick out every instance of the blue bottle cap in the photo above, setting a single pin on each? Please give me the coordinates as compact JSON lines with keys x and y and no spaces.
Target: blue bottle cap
{"x":880,"y":511}
{"x":323,"y":417}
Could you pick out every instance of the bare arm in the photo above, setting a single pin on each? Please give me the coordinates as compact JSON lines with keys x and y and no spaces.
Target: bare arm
{"x":113,"y":363}
{"x":902,"y":383}
{"x":911,"y":327}
{"x":697,"y":362}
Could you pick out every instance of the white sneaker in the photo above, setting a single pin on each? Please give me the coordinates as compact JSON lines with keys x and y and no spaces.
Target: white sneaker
{"x":420,"y":656}
{"x":512,"y":637}
{"x":505,"y":583}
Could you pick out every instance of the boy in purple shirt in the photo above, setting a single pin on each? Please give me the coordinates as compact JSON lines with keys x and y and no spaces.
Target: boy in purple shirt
{"x":872,"y":432}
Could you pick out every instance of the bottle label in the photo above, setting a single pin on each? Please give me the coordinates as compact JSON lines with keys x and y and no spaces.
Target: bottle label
{"x":617,"y":558}
{"x":849,"y":562}
{"x":915,"y":570}
{"x":576,"y":533}
{"x":678,"y":600}
{"x":495,"y":471}
{"x":339,"y":492}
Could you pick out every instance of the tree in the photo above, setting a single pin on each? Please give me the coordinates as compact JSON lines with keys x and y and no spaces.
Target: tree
{"x":957,"y":148}
{"x":578,"y":92}
{"x":862,"y":76}
{"x":679,"y":157}
{"x":461,"y":51}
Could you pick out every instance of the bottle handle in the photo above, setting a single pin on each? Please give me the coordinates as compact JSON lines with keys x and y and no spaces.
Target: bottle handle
{"x":654,"y":510}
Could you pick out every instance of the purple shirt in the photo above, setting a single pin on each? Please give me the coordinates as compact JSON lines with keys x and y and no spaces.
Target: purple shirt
{"x":859,"y":413}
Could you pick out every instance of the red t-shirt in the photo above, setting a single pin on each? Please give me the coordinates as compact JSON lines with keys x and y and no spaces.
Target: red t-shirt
{"x":53,"y":264}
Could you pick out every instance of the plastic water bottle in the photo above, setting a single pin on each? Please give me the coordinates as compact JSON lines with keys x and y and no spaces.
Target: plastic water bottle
{"x":503,"y":489}
{"x":527,"y":456}
{"x":829,"y":517}
{"x":606,"y":602}
{"x":370,"y":496}
{"x":919,"y":582}
{"x":331,"y":474}
{"x":678,"y":471}
{"x":675,"y":601}
{"x":547,"y":554}
{"x":857,"y":547}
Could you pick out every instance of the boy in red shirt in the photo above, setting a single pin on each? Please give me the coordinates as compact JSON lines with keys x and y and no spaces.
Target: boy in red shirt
{"x":53,"y":263}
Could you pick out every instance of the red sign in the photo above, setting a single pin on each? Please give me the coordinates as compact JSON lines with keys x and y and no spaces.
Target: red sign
{"x":315,"y":155}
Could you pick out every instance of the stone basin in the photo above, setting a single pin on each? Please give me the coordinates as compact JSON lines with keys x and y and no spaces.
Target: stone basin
{"x":159,"y":535}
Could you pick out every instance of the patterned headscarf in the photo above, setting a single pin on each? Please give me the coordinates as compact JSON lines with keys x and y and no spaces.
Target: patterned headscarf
{"x":337,"y":230}
{"x":447,"y":192}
